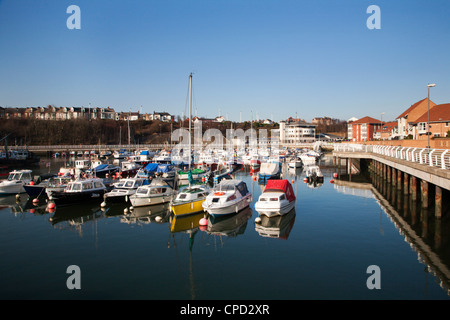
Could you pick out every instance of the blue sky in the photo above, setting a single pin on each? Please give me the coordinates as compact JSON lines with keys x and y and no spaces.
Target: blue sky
{"x":269,"y":58}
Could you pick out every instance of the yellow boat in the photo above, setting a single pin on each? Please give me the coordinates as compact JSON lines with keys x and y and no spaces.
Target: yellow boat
{"x":189,"y":200}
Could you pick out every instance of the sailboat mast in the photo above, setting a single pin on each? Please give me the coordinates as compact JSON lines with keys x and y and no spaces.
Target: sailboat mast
{"x":190,"y":118}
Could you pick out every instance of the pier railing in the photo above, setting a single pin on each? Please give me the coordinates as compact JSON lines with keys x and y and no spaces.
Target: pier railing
{"x":433,"y":157}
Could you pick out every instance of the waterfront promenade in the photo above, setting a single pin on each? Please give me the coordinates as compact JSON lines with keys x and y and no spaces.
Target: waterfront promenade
{"x":420,"y":172}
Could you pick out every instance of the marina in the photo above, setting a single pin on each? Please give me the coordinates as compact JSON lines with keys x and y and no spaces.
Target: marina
{"x":321,"y":249}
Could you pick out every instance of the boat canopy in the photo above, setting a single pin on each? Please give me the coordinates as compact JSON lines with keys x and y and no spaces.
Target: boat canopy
{"x":151,"y":167}
{"x":269,"y":168}
{"x":283,"y":185}
{"x":163,"y":168}
{"x":226,"y":185}
{"x":100,"y":167}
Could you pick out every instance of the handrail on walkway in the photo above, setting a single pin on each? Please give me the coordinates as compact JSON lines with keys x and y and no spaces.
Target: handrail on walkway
{"x":433,"y":157}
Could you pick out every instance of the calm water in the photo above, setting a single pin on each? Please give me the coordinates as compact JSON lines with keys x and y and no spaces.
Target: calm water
{"x":320,"y":251}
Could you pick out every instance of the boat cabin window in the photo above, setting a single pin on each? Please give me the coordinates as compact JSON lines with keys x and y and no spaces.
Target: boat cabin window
{"x":87,"y":186}
{"x":141,"y":191}
{"x":273,"y":199}
{"x":282,"y":197}
{"x":263,"y":199}
{"x":157,"y":190}
{"x":215,"y":199}
{"x":138,"y":183}
{"x":76,"y":186}
{"x":120,"y":184}
{"x":98,"y":184}
{"x":128,"y":184}
{"x":232,"y":197}
{"x":182,"y":196}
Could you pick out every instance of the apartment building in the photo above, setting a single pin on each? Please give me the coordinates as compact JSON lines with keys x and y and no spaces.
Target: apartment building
{"x":363,"y":129}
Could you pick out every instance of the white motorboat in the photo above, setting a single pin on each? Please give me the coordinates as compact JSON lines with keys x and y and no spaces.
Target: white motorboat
{"x":308,"y":159}
{"x":229,"y":196}
{"x":313,"y":173}
{"x":128,"y":169}
{"x":158,"y":191}
{"x":295,"y":163}
{"x":144,"y":157}
{"x":124,"y":188}
{"x":278,"y":198}
{"x":15,"y":182}
{"x":163,"y":157}
{"x":122,"y":154}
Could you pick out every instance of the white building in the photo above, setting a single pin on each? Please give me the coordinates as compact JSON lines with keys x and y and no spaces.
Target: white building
{"x":297,"y":132}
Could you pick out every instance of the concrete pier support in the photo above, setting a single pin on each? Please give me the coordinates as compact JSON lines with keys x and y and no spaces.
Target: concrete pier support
{"x":438,"y":203}
{"x":424,"y":190}
{"x":394,"y":177}
{"x":405,"y":183}
{"x":399,"y":180}
{"x":413,"y":188}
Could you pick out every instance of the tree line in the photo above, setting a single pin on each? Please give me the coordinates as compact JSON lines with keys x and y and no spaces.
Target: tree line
{"x":25,"y":132}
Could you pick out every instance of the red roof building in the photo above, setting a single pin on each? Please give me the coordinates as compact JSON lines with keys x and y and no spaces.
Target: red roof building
{"x":439,"y":122}
{"x":407,"y":120}
{"x":363,"y":129}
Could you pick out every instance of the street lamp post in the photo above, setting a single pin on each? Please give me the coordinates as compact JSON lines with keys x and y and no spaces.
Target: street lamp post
{"x":430,"y":85}
{"x":381,"y":129}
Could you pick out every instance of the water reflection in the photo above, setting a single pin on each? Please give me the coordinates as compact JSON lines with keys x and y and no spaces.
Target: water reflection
{"x":276,"y":227}
{"x":230,"y":225}
{"x":159,"y":213}
{"x":75,"y":217}
{"x":417,"y":225}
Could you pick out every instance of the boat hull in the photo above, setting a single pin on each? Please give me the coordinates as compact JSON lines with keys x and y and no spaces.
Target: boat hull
{"x":274,"y":211}
{"x":219,"y":210}
{"x":187,"y":208}
{"x":12,"y":187}
{"x":148,"y":201}
{"x":35,"y":190}
{"x":66,"y":198}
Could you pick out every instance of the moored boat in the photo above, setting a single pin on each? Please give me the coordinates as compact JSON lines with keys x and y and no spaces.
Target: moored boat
{"x":189,"y":200}
{"x":269,"y":170}
{"x":158,"y":191}
{"x":313,"y":173}
{"x":123,"y":189}
{"x":79,"y":191}
{"x":278,"y":198}
{"x":15,"y":182}
{"x":229,"y":196}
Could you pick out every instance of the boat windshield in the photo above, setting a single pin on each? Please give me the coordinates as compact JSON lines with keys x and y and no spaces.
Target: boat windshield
{"x":14,"y":176}
{"x":128,"y":184}
{"x":225,"y":187}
